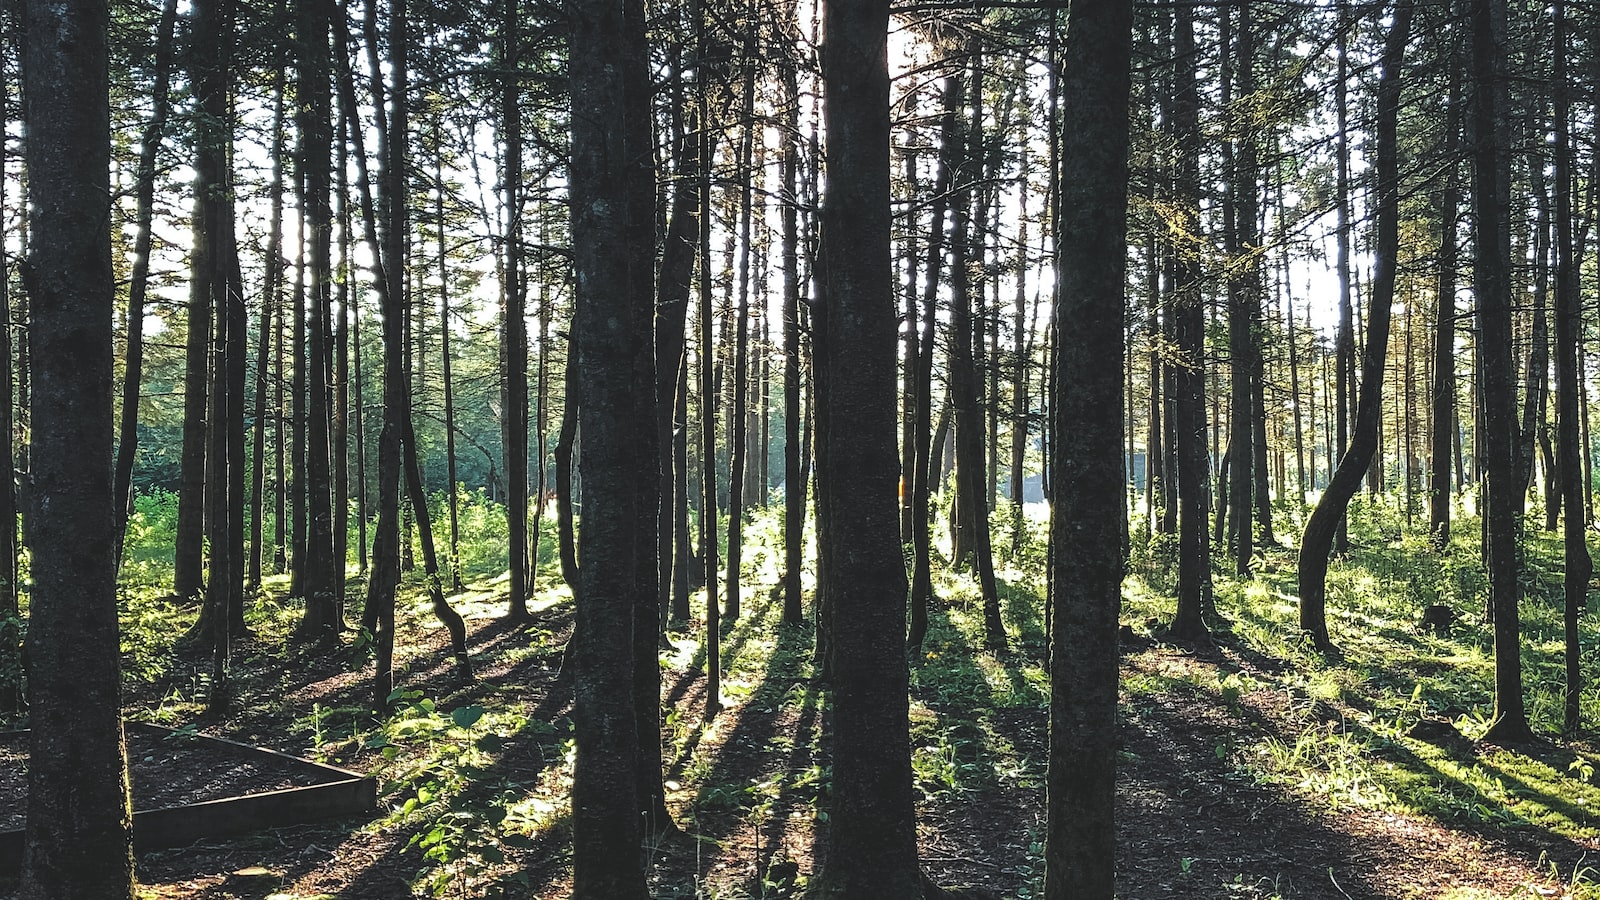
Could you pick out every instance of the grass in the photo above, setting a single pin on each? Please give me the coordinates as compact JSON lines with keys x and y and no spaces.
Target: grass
{"x":475,"y":777}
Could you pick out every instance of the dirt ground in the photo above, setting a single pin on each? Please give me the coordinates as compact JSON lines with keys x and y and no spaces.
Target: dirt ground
{"x":1189,"y":824}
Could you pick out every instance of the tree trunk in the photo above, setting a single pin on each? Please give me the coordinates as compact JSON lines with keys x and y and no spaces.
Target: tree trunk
{"x":1087,"y":484}
{"x":612,"y":239}
{"x":924,"y":470}
{"x":1577,"y":566}
{"x":138,"y":282}
{"x":1188,"y":382}
{"x":322,"y":620}
{"x":1492,"y":287}
{"x":1323,"y":525}
{"x":871,"y":839}
{"x":1444,"y":339}
{"x":794,"y":487}
{"x":514,"y":405}
{"x":79,"y":839}
{"x":970,"y":429}
{"x":270,"y":302}
{"x":1344,"y":341}
{"x":738,"y":434}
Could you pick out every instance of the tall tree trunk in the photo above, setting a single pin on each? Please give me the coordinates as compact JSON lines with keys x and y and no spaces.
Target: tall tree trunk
{"x":794,"y":487}
{"x":708,"y":392}
{"x":322,"y":620}
{"x":612,"y":236}
{"x":1323,"y":525}
{"x":340,"y":338}
{"x":1577,"y":566}
{"x":964,"y":388}
{"x":1492,"y":288}
{"x":738,"y":434}
{"x":1344,"y":340}
{"x":1188,"y":382}
{"x":514,"y":405}
{"x":1243,"y":304}
{"x":10,"y":612}
{"x":138,"y":283}
{"x":78,"y":843}
{"x":1443,"y":393}
{"x":1079,"y":832}
{"x":871,"y":840}
{"x":270,"y":302}
{"x":672,"y":316}
{"x":924,"y":472}
{"x":445,"y":365}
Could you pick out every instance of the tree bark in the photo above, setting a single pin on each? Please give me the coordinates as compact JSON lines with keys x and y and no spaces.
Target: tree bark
{"x":1324,"y":522}
{"x":1443,"y":394}
{"x":79,"y":839}
{"x":1086,"y":464}
{"x":1188,"y":381}
{"x":612,"y":238}
{"x":1492,"y":287}
{"x":871,"y":840}
{"x":1577,"y":566}
{"x":138,"y":282}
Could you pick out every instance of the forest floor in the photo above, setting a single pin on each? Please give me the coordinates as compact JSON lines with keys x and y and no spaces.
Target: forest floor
{"x":1250,"y":768}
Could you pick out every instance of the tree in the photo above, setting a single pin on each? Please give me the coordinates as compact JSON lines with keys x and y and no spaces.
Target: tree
{"x":613,"y":260}
{"x":1491,"y":276}
{"x":514,"y":402}
{"x":79,"y":840}
{"x":1444,"y":342}
{"x":1577,"y":564}
{"x":1188,"y":314}
{"x":1086,"y":454}
{"x":138,"y":284}
{"x":1322,"y":526}
{"x":872,"y":840}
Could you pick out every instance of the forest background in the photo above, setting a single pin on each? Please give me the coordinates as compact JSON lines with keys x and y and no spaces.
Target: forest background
{"x":1354,"y":322}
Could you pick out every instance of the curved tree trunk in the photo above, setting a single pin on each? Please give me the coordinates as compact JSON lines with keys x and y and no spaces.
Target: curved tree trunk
{"x":1322,"y":526}
{"x":138,"y":283}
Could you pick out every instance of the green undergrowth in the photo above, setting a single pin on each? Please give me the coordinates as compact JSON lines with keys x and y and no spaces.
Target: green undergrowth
{"x":474,"y":777}
{"x":1344,"y":732}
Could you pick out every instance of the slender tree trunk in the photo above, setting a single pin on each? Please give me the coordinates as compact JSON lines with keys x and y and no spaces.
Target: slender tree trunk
{"x":1492,"y":288}
{"x":10,"y":612}
{"x":671,"y":325}
{"x":1243,"y":304}
{"x":514,"y":406}
{"x":445,"y":366}
{"x":1344,"y":341}
{"x":138,"y":283}
{"x":1188,"y":383}
{"x":708,"y":392}
{"x":794,"y":486}
{"x":341,"y":372}
{"x":1323,"y":525}
{"x":314,"y":562}
{"x":1443,"y":392}
{"x":965,"y":378}
{"x":925,"y":470}
{"x":1577,"y":566}
{"x":270,"y":302}
{"x":738,"y":434}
